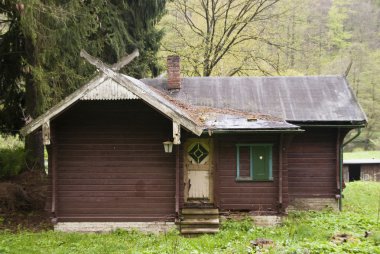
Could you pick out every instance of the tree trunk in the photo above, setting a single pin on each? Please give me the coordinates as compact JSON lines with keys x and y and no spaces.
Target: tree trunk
{"x":34,"y":151}
{"x":33,"y":142}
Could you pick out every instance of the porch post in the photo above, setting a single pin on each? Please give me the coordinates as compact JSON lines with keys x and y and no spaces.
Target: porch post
{"x":53,"y":160}
{"x":286,"y":142}
{"x":280,"y":168}
{"x":177,"y":154}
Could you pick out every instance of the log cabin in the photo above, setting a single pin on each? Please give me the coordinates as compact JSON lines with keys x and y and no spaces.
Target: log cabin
{"x":159,"y":152}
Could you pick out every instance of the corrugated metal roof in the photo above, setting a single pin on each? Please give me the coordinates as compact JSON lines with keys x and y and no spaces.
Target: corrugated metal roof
{"x":298,"y":99}
{"x":109,"y":90}
{"x":362,"y":161}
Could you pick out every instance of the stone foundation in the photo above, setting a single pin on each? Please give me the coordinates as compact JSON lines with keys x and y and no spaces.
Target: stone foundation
{"x":267,"y":220}
{"x":148,"y":227}
{"x":313,"y":204}
{"x":261,"y":220}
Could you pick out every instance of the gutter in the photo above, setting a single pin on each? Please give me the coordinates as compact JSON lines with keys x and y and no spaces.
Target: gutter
{"x":359,"y":130}
{"x":332,"y":125}
{"x":223,"y":131}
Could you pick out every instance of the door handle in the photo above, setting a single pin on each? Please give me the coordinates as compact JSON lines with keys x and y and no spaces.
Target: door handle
{"x":189,"y":184}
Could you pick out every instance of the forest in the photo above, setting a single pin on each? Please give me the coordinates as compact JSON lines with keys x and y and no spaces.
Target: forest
{"x":40,"y":43}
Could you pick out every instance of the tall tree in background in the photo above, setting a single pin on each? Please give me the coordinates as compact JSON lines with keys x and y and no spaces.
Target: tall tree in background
{"x":287,"y":37}
{"x":210,"y":34}
{"x":40,"y":44}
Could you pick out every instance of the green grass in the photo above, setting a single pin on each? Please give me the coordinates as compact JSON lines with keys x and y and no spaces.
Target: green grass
{"x":362,"y":155}
{"x":302,"y":232}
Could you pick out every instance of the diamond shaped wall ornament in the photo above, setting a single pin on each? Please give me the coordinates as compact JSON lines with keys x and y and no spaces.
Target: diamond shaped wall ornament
{"x":198,"y":153}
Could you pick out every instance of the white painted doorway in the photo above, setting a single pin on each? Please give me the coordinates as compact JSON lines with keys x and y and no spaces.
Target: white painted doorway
{"x":198,"y":171}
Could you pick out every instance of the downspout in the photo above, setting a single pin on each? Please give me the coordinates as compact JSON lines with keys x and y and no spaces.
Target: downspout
{"x":359,"y":130}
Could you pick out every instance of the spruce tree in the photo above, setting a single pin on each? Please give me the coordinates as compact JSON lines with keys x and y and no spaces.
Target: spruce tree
{"x":40,"y":44}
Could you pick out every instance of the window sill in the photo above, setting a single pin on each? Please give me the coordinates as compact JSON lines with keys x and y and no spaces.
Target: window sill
{"x":248,"y":179}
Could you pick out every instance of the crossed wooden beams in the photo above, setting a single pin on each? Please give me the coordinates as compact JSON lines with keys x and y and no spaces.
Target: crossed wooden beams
{"x":178,"y":117}
{"x":111,"y":71}
{"x":115,"y":67}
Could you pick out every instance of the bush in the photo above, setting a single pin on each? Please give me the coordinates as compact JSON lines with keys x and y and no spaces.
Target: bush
{"x":12,"y":162}
{"x":12,"y":156}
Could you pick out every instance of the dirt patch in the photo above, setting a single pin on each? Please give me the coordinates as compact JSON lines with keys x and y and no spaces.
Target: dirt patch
{"x":33,"y":221}
{"x":343,"y":238}
{"x":22,"y":202}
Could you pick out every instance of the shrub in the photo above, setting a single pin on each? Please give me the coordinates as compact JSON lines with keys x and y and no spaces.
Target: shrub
{"x":12,"y":162}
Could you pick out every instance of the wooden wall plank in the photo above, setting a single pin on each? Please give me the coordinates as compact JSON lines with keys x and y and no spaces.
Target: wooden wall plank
{"x":312,"y":164}
{"x":111,"y":162}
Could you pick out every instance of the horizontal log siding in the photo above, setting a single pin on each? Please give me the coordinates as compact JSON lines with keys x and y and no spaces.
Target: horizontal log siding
{"x":233,"y":195}
{"x":111,"y":164}
{"x":312,"y":164}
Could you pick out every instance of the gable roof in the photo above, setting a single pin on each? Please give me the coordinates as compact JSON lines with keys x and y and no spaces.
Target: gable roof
{"x":129,"y":88}
{"x":111,"y":85}
{"x":296,"y":99}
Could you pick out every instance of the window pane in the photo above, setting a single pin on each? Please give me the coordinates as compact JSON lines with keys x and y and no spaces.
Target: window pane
{"x":261,"y":162}
{"x":244,"y":161}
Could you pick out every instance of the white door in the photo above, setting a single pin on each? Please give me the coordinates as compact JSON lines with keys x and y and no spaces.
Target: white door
{"x":198,"y":170}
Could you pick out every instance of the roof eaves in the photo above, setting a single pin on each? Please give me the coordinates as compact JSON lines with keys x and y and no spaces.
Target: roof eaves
{"x":62,"y":105}
{"x":160,"y":103}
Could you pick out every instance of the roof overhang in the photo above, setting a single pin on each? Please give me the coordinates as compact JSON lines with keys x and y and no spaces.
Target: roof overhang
{"x":361,"y":161}
{"x":229,"y":121}
{"x":135,"y":88}
{"x":329,"y":124}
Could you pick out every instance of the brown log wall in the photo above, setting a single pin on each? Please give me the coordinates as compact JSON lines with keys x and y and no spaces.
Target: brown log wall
{"x":236,"y":195}
{"x":111,"y":164}
{"x":312,"y":164}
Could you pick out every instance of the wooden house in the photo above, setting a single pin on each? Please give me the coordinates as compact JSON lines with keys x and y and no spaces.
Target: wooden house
{"x":232,"y":144}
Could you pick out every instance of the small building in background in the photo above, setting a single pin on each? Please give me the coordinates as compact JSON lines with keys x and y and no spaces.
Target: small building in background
{"x":361,"y":170}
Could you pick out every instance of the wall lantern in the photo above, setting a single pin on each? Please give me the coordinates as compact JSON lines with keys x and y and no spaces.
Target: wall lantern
{"x":168,"y":146}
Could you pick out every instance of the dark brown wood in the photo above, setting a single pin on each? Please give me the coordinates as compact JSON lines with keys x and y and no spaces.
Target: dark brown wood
{"x":108,"y":164}
{"x":177,"y":154}
{"x":312,"y":164}
{"x":286,"y":143}
{"x":337,"y":167}
{"x":111,"y":165}
{"x":281,"y":149}
{"x":235,"y":195}
{"x":216,"y":172}
{"x":53,"y":175}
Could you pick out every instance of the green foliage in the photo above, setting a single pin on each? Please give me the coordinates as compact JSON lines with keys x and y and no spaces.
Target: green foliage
{"x":39,"y":49}
{"x":12,"y":162}
{"x":12,"y":156}
{"x":338,"y":36}
{"x":301,"y":232}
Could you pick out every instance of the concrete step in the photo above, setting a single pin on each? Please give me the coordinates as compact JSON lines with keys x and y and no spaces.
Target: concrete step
{"x":199,"y":230}
{"x":200,"y":221}
{"x":199,"y":226}
{"x":202,"y":211}
{"x":199,"y":216}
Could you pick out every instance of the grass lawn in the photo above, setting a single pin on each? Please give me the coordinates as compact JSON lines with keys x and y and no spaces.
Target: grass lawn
{"x":302,"y":232}
{"x":362,"y":155}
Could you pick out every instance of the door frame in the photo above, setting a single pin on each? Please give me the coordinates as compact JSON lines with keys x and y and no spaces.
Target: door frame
{"x":210,"y":143}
